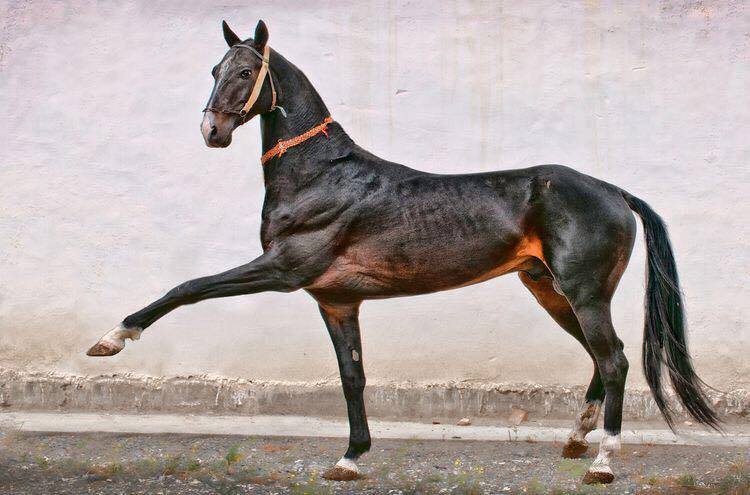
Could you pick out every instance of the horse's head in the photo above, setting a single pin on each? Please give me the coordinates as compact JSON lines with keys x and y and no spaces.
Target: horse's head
{"x":243,"y":87}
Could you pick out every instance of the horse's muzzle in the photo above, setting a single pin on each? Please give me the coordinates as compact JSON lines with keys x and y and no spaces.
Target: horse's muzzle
{"x":217,"y":128}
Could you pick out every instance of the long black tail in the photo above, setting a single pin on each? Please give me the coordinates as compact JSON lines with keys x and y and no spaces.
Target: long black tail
{"x":664,"y":341}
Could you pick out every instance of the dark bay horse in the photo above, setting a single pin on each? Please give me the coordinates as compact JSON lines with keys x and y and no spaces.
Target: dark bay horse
{"x":347,"y":226}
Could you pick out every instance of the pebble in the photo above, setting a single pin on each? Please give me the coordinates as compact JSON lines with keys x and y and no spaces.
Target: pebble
{"x":464,"y":422}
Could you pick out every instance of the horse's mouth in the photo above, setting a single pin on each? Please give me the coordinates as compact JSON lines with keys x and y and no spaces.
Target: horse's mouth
{"x":218,"y":143}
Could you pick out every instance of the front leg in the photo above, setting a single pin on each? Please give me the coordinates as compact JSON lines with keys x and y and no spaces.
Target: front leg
{"x":265,"y":273}
{"x":342,"y":322}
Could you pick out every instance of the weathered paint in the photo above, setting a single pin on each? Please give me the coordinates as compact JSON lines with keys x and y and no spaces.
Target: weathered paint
{"x":104,"y":175}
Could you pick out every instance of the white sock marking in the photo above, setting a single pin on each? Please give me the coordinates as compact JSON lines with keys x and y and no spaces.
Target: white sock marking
{"x":116,"y":337}
{"x":348,"y":464}
{"x":608,"y":446}
{"x":586,"y":421}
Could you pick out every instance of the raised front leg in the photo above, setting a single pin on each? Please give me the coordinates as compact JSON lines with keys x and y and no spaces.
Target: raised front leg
{"x":265,"y":273}
{"x":342,"y":322}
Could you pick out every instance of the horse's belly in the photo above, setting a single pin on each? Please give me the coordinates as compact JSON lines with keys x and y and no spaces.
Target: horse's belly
{"x":370,"y":272}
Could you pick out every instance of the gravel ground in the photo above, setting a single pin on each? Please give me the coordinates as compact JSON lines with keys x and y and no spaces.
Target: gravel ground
{"x":170,"y":464}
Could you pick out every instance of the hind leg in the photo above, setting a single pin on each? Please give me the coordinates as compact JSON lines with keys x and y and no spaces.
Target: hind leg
{"x":589,"y":294}
{"x":597,"y":326}
{"x":541,"y":286}
{"x":586,"y":232}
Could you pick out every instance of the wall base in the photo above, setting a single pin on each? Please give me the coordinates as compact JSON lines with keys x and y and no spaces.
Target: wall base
{"x":201,"y":395}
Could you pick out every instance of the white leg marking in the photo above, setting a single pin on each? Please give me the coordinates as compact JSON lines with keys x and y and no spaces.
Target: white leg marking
{"x":116,"y":337}
{"x":586,"y":421}
{"x":608,"y":446}
{"x":348,"y":464}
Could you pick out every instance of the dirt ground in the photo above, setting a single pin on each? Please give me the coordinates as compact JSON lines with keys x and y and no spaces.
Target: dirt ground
{"x":32,"y":463}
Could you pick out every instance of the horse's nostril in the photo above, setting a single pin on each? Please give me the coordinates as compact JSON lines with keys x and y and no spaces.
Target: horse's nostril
{"x":213,"y":130}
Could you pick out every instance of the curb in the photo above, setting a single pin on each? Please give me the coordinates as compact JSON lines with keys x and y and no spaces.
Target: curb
{"x":302,"y":426}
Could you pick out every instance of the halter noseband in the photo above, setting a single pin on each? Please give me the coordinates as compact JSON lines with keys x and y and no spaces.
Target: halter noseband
{"x":255,"y":93}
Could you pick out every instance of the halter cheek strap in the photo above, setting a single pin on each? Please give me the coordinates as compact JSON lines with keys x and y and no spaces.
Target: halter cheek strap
{"x":257,"y":87}
{"x":255,"y":93}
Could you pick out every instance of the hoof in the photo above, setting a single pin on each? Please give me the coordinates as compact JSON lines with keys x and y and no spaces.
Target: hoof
{"x":103,"y":349}
{"x":574,"y":449}
{"x":114,"y":341}
{"x":598,"y":477}
{"x":344,"y":470}
{"x":338,"y":473}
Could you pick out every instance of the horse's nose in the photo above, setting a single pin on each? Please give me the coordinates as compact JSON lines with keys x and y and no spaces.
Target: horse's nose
{"x":216,"y":130}
{"x":208,"y":128}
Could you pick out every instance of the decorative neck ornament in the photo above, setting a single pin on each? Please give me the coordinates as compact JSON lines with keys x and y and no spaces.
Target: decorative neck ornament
{"x":282,"y":146}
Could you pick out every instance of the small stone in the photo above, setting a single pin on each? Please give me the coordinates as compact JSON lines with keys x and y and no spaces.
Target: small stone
{"x":688,"y":423}
{"x":195,"y":482}
{"x":518,"y":416}
{"x":435,"y":422}
{"x":464,"y":422}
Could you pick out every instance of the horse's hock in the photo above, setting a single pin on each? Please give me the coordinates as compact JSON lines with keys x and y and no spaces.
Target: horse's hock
{"x":195,"y":395}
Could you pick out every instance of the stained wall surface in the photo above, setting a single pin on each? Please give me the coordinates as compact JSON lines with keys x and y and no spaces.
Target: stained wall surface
{"x":108,"y":196}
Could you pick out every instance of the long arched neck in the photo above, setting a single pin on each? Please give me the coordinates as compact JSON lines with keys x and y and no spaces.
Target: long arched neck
{"x":304,"y":110}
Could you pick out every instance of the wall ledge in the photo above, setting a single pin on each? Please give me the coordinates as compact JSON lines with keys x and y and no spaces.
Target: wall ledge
{"x":24,"y":390}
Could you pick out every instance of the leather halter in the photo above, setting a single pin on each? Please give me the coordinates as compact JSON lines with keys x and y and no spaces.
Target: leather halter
{"x":255,"y":92}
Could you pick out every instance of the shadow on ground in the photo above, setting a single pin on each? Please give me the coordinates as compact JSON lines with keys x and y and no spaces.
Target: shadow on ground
{"x":189,"y":464}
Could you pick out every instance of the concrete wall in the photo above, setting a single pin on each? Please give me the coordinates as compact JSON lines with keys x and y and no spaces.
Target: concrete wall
{"x":108,"y":196}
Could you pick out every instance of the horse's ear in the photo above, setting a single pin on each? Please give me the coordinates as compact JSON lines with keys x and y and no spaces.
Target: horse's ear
{"x":261,"y":35}
{"x":231,"y":38}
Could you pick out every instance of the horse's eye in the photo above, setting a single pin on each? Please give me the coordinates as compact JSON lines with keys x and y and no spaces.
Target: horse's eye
{"x":245,"y":74}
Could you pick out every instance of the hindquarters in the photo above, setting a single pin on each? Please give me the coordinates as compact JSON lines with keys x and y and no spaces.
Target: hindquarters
{"x":586,"y":231}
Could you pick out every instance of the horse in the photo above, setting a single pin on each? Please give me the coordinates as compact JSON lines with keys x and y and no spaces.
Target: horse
{"x":347,"y":226}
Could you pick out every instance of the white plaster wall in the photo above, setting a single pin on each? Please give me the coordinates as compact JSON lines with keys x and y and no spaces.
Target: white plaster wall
{"x":108,"y":196}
